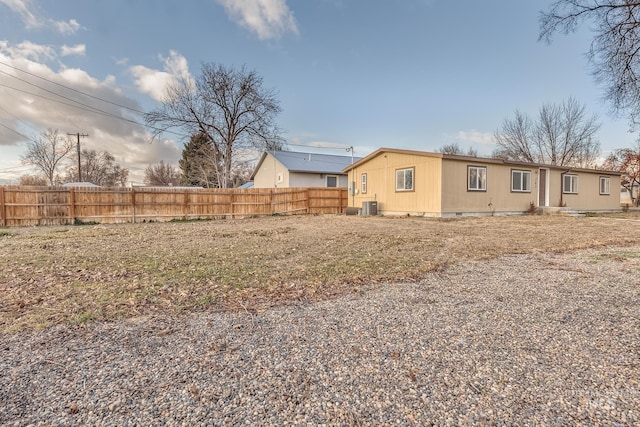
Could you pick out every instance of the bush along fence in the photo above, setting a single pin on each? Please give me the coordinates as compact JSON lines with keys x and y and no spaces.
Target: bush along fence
{"x":29,"y":206}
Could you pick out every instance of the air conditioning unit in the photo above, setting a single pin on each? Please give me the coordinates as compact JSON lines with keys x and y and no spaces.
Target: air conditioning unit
{"x":370,"y":208}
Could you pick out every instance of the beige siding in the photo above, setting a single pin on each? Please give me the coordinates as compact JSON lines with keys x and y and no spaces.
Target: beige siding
{"x":267,"y":175}
{"x":456,"y":198}
{"x":588,"y":197}
{"x":425,"y":199}
{"x":441,"y":186}
{"x":498,"y":197}
{"x":271,"y":169}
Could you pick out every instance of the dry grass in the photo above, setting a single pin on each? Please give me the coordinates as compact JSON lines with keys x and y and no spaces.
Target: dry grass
{"x":77,"y":274}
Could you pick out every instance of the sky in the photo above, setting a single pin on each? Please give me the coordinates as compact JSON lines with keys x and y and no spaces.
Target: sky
{"x":412,"y":74}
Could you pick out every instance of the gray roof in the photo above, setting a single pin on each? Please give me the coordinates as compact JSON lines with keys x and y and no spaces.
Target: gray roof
{"x":79,"y":184}
{"x":313,"y":163}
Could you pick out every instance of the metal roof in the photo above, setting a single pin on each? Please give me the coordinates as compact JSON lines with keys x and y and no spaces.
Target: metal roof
{"x":312,"y":162}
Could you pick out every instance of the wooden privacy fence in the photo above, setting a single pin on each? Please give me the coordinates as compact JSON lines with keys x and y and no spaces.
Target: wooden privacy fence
{"x":27,"y":206}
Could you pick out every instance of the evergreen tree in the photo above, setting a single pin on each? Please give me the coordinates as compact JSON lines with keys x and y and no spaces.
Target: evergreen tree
{"x":197,"y":165}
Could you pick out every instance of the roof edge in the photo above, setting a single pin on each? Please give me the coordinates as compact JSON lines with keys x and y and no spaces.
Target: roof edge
{"x":475,"y":159}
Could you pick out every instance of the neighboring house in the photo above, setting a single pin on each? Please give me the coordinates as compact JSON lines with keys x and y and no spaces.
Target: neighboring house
{"x":80,"y":184}
{"x":404,"y":182}
{"x":279,"y":169}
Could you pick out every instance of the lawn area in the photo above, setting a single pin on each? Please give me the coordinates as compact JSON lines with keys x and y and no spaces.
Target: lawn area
{"x":77,"y":274}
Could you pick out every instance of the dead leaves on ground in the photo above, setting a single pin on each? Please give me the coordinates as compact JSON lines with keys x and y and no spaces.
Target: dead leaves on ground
{"x":114,"y":271}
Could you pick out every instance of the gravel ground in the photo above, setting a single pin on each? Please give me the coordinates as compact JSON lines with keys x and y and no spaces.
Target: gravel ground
{"x":542,"y":339}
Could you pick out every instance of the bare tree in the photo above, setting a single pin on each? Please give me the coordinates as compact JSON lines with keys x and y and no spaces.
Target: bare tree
{"x":99,"y":168}
{"x":161,"y":174}
{"x":228,"y":105}
{"x":563,"y":135}
{"x":615,"y":49}
{"x":514,"y":139}
{"x":35,"y":180}
{"x":627,"y":161}
{"x":242,"y":173}
{"x":455,"y":148}
{"x":46,"y":153}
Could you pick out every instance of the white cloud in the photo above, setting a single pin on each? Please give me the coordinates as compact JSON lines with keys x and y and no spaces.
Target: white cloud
{"x":155,"y":82}
{"x":22,"y":7}
{"x":28,"y":109}
{"x":66,"y":28}
{"x":268,"y":19}
{"x":79,"y":49}
{"x":476,"y":137}
{"x":25,"y":9}
{"x":27,"y":50}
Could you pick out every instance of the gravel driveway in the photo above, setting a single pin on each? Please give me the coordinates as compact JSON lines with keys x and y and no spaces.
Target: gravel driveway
{"x":542,"y":339}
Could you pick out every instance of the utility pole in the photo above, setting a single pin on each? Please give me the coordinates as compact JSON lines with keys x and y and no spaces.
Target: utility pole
{"x":78,"y":134}
{"x":350,"y":148}
{"x":352,"y":184}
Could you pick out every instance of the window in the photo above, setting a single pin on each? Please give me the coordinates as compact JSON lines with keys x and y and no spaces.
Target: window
{"x":280,"y":177}
{"x":364,"y":183}
{"x":570,"y":184}
{"x":521,"y":181}
{"x":604,"y":185}
{"x":332,"y":181}
{"x":404,"y":179}
{"x":477,"y":178}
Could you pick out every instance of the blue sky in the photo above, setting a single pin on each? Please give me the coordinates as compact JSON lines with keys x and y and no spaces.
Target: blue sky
{"x":415,"y":74}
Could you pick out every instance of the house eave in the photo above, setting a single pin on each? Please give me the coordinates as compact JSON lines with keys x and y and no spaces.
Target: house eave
{"x":485,"y":160}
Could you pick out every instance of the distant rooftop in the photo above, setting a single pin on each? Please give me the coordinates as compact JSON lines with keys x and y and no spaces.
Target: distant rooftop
{"x":312,"y":162}
{"x":80,"y":184}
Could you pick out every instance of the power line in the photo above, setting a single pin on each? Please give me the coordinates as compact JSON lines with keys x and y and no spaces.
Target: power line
{"x":51,"y":92}
{"x":19,"y":120}
{"x":90,"y":109}
{"x":16,"y":132}
{"x":319,"y":147}
{"x":70,"y":88}
{"x":14,"y":168}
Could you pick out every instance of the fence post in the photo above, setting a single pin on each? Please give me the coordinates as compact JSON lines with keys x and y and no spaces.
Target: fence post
{"x":72,"y":205}
{"x":271,"y":209}
{"x":185,"y":204}
{"x":3,"y":209}
{"x":133,"y":203}
{"x":232,"y":202}
{"x":308,"y":200}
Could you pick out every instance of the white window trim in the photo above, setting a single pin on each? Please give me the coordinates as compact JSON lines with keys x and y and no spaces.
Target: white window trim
{"x":363,"y":183}
{"x":326,"y":181}
{"x":478,"y":186}
{"x":404,"y":179}
{"x":522,"y":181}
{"x":573,"y":187}
{"x":607,"y":180}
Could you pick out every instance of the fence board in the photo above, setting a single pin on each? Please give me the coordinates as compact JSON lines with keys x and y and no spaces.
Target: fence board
{"x":28,"y":206}
{"x":3,"y":214}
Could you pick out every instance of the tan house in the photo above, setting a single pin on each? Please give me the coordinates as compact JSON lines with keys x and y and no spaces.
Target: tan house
{"x":281,"y":169}
{"x":405,"y":182}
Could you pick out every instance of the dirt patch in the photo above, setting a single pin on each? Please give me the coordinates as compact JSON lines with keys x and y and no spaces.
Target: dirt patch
{"x":74,"y":275}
